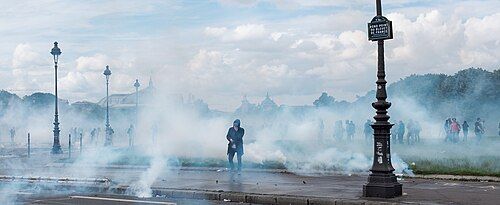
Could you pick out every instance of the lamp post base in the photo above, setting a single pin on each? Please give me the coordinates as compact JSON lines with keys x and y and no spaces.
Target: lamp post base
{"x":56,"y":149}
{"x":382,"y":186}
{"x":108,"y":141}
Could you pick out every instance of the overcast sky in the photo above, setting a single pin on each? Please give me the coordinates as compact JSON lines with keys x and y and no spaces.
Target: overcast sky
{"x":222,"y":50}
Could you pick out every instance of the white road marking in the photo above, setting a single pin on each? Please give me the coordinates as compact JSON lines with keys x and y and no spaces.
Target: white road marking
{"x":121,"y":200}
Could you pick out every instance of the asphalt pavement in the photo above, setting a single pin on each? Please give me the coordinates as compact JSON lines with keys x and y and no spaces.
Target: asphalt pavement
{"x":34,"y":178}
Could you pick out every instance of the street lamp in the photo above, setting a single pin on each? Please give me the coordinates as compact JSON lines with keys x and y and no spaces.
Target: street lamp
{"x":108,"y":141}
{"x":136,"y":85}
{"x":382,"y":182}
{"x":56,"y":147}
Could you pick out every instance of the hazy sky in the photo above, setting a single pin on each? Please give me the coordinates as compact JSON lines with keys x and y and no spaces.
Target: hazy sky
{"x":222,"y":50}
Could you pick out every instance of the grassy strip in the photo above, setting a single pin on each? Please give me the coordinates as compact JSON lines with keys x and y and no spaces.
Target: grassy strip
{"x":472,"y":166}
{"x":487,"y":166}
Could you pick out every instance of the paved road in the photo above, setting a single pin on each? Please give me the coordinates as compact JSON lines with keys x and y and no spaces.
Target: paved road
{"x":259,"y":182}
{"x":254,"y":182}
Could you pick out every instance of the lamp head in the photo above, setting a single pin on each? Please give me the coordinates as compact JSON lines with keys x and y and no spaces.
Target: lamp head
{"x":107,"y":72}
{"x":56,"y":51}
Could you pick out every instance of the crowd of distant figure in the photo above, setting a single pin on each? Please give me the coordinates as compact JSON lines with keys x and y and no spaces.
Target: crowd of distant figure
{"x":401,"y":133}
{"x":452,"y":129}
{"x":96,"y":132}
{"x":409,"y":132}
{"x":348,"y":129}
{"x":412,"y":130}
{"x":12,"y":134}
{"x":339,"y":130}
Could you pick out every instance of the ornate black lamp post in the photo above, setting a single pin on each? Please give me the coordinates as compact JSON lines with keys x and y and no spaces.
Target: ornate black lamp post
{"x":108,"y":141}
{"x":56,"y":147}
{"x":381,"y":182}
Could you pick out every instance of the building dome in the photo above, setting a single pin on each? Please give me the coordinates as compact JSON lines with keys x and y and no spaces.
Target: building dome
{"x":268,"y":104}
{"x":246,"y":107}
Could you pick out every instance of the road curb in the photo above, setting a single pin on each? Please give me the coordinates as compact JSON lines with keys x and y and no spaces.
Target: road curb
{"x":261,"y":198}
{"x":254,"y":198}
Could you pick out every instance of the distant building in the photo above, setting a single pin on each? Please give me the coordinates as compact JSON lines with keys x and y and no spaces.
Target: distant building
{"x":129,"y":100}
{"x":268,"y":105}
{"x":246,"y":107}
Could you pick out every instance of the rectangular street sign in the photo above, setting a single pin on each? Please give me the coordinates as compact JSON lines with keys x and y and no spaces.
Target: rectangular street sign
{"x":379,"y":29}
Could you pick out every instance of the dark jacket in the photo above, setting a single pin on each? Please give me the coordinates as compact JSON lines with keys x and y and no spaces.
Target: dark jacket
{"x":237,"y":137}
{"x":465,"y":127}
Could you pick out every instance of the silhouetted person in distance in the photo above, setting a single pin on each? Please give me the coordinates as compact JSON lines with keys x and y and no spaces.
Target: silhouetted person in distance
{"x":479,"y":129}
{"x":12,"y":132}
{"x":348,"y":130}
{"x":74,"y":133}
{"x":454,"y":130}
{"x":465,"y":128}
{"x":401,"y":132}
{"x":410,"y":131}
{"x":93,"y":132}
{"x":235,"y":146}
{"x":98,"y":133}
{"x":80,"y":132}
{"x":352,"y":128}
{"x":418,"y":129}
{"x":368,"y":130}
{"x":339,"y":130}
{"x":130,"y":133}
{"x":395,"y":132}
{"x":447,"y":130}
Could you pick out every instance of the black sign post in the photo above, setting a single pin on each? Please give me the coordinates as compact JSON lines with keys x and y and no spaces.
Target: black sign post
{"x":382,"y":182}
{"x":29,"y":145}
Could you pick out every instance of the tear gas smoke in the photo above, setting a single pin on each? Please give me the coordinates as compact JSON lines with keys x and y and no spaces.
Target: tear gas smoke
{"x":299,"y":139}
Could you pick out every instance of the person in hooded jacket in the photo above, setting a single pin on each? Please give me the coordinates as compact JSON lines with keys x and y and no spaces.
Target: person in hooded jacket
{"x":235,"y":138}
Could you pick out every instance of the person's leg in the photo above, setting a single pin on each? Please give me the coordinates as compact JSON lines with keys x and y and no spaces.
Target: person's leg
{"x":239,"y":161}
{"x":230,"y":157}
